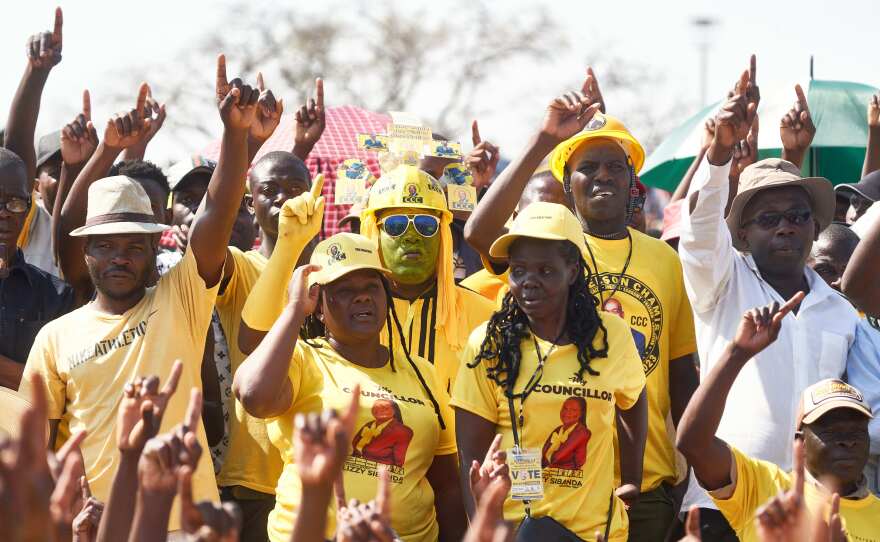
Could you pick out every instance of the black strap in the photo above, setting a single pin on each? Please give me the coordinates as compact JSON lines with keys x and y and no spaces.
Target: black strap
{"x":610,"y":513}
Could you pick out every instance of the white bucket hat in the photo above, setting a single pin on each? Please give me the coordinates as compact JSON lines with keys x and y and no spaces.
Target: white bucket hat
{"x":118,"y":205}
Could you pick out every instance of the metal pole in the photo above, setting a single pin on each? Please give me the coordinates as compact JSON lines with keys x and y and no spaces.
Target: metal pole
{"x":703,"y":27}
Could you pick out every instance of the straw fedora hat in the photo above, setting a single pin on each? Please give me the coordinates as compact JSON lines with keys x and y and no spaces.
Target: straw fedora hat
{"x":776,"y":173}
{"x":118,"y":205}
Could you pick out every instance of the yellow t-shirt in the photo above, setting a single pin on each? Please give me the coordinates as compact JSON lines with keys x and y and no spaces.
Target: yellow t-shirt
{"x":758,"y":481}
{"x":418,"y":319}
{"x":250,"y":460}
{"x":578,"y":475}
{"x":489,"y":285}
{"x":396,"y":426}
{"x":652,"y":300}
{"x":86,"y":358}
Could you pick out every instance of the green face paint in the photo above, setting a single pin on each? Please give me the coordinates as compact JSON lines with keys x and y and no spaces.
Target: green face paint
{"x":411,"y":258}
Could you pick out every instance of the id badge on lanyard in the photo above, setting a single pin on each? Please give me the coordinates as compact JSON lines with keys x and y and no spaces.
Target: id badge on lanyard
{"x":527,"y":483}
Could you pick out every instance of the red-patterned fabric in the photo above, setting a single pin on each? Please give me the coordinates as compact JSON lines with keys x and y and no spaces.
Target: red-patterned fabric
{"x":337,"y":144}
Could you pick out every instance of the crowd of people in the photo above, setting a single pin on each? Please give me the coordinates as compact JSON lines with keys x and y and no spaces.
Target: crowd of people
{"x":184,"y":355}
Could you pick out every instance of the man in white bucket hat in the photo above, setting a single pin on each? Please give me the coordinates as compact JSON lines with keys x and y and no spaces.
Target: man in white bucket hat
{"x":93,"y":357}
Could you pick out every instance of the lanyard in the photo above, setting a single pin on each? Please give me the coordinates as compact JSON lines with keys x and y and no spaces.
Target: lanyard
{"x":619,"y":276}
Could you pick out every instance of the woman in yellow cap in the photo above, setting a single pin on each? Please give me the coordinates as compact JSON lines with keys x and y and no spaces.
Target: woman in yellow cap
{"x":408,"y":216}
{"x":634,"y":276}
{"x":338,"y":306}
{"x":549,"y":355}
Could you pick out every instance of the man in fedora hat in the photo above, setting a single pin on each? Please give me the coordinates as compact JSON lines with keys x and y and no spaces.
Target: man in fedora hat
{"x":754,"y":257}
{"x":87,"y":357}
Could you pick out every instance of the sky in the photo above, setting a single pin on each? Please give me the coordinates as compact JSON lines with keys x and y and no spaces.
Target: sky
{"x":102,"y":36}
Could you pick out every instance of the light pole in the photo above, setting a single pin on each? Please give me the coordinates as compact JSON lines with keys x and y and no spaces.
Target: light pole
{"x":703,"y":27}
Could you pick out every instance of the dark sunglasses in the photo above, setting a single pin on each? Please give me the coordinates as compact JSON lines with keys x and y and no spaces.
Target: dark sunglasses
{"x":396,"y":225}
{"x":795,"y":217}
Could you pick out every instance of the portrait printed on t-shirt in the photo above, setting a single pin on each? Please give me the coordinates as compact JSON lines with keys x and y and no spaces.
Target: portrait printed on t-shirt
{"x":566,"y":447}
{"x":385,"y":438}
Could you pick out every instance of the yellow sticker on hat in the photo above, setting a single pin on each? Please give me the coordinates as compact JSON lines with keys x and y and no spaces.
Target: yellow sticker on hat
{"x":352,"y":178}
{"x":373,"y":142}
{"x":461,"y":197}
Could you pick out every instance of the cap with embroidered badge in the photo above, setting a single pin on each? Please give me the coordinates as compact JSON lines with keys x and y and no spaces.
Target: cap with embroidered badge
{"x":342,"y":254}
{"x":827,"y":395}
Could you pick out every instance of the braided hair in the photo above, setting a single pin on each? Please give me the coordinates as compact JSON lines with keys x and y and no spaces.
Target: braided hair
{"x":509,"y":326}
{"x":314,"y":328}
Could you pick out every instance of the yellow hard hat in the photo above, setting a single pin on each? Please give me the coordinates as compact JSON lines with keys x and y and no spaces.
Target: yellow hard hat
{"x":406,"y":186}
{"x":601,"y":126}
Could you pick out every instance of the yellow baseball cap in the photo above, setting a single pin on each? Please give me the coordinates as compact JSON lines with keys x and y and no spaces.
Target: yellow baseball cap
{"x":541,"y":220}
{"x":406,"y":186}
{"x":827,"y":395}
{"x":342,"y":254}
{"x":601,"y":126}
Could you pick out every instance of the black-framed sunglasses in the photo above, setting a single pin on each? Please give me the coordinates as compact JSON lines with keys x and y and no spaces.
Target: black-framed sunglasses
{"x":795,"y":217}
{"x":16,"y":205}
{"x":396,"y":225}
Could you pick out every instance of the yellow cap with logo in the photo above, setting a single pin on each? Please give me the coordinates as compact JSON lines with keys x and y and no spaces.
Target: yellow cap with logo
{"x":541,"y":220}
{"x":342,"y":254}
{"x":601,"y":126}
{"x":406,"y":186}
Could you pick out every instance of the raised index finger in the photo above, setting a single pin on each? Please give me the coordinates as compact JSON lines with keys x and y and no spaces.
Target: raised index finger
{"x":193,"y":410}
{"x":319,"y":92}
{"x":87,"y":105}
{"x":798,"y":455}
{"x":260,"y":84}
{"x":475,"y":133}
{"x":317,"y":186}
{"x":753,"y":68}
{"x":802,"y":98}
{"x":791,"y":303}
{"x":143,"y":92}
{"x":59,"y":22}
{"x":383,"y":494}
{"x":222,"y":81}
{"x":171,"y":384}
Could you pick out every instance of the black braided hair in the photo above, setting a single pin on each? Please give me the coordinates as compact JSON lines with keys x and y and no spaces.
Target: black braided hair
{"x":509,"y":326}
{"x":313,"y":328}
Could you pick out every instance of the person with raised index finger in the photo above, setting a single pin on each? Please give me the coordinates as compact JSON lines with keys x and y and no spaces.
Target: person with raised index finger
{"x":131,"y":327}
{"x":830,"y":427}
{"x":757,"y":255}
{"x":596,"y":160}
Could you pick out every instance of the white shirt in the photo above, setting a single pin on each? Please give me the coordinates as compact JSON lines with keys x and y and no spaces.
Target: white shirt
{"x":863,"y":372}
{"x":38,"y":251}
{"x":722,"y":284}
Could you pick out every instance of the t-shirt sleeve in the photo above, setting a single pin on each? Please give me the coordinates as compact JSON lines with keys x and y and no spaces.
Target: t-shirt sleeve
{"x":473,"y":390}
{"x":622,"y":349}
{"x":305,"y":380}
{"x":183,"y":286}
{"x":756,"y":482}
{"x":682,"y":337}
{"x":41,"y":360}
{"x":226,"y":292}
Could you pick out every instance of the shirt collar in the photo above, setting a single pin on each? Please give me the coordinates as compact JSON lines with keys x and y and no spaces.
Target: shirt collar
{"x":860,"y":492}
{"x":819,"y":289}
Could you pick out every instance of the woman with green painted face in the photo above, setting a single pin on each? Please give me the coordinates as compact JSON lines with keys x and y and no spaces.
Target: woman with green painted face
{"x":408,"y":215}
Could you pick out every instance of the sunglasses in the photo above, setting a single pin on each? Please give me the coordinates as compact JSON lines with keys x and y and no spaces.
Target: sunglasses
{"x":795,"y":217}
{"x":396,"y":225}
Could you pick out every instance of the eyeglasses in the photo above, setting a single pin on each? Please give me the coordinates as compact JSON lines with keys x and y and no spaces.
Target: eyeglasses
{"x":16,"y":205}
{"x":425,"y":225}
{"x":795,"y":217}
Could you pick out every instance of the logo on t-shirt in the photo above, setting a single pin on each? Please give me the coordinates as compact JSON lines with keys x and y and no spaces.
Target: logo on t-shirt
{"x":384,"y":439}
{"x":646,"y":321}
{"x":566,"y":447}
